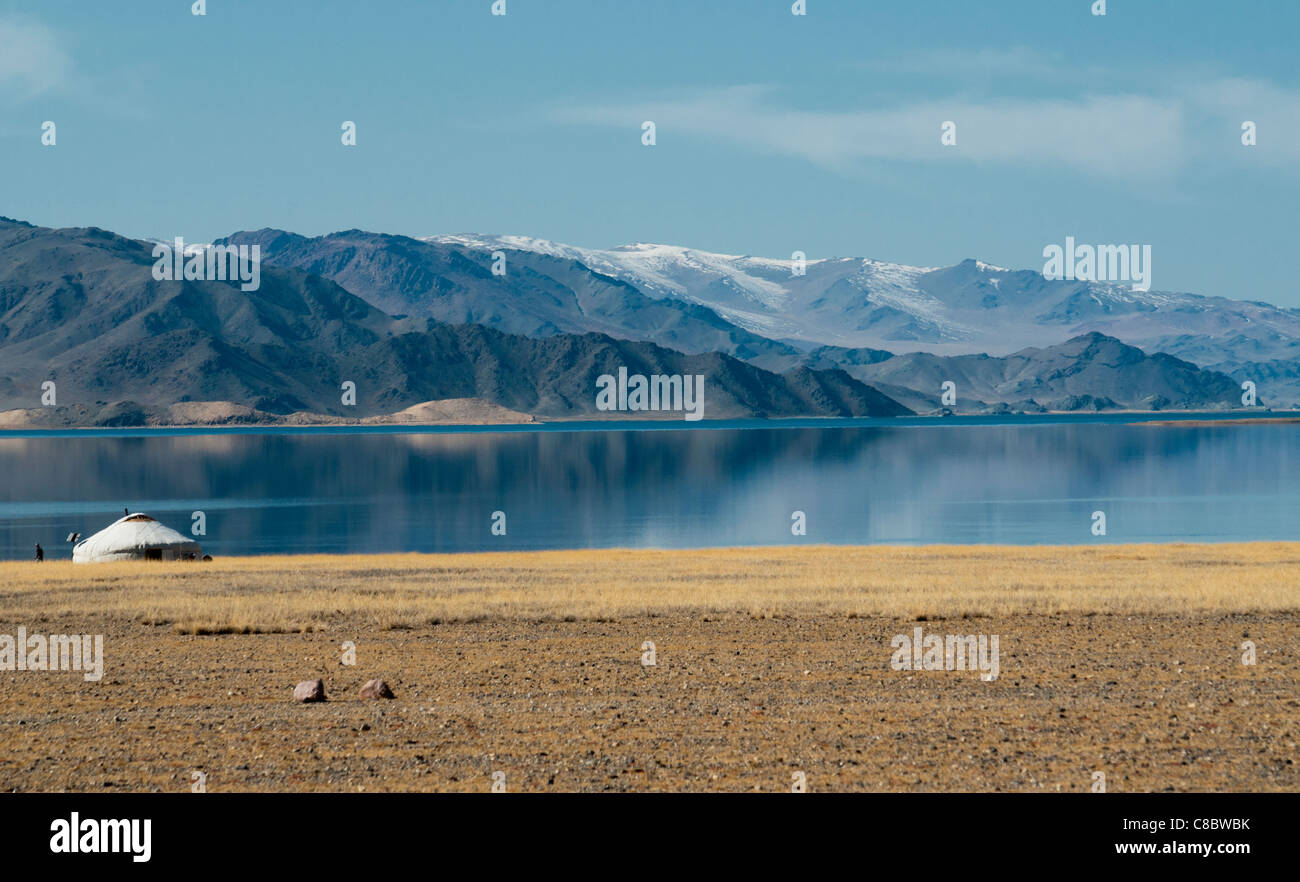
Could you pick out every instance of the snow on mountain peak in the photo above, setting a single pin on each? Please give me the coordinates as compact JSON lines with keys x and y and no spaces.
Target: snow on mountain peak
{"x":858,"y":301}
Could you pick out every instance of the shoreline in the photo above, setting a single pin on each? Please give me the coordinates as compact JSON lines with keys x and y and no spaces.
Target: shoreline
{"x":372,"y":426}
{"x":831,"y":549}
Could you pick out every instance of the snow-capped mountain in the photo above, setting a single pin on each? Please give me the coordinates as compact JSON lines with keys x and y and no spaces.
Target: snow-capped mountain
{"x":970,"y":307}
{"x":759,"y":294}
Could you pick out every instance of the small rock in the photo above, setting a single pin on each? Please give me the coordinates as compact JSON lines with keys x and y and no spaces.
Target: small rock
{"x":309,"y":690}
{"x":376,"y":689}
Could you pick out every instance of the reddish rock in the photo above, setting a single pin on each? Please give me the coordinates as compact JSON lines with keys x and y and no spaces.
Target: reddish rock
{"x":376,"y":689}
{"x":309,"y":690}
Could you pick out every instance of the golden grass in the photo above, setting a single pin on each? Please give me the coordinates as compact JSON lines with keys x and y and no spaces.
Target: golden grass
{"x":303,"y":593}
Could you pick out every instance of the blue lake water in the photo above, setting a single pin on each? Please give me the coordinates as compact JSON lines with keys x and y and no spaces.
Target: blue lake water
{"x":1018,"y":480}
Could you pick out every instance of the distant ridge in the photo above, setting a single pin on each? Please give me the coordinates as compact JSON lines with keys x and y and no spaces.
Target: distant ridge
{"x":1089,"y":372}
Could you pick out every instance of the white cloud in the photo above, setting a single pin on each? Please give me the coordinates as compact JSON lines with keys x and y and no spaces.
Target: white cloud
{"x":31,"y":58}
{"x":1105,"y":135}
{"x":1227,"y":103}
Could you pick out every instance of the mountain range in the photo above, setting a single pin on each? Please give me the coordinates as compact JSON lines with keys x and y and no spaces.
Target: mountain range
{"x":970,"y":308}
{"x":538,"y":295}
{"x":80,"y":307}
{"x":528,"y":325}
{"x":837,"y":313}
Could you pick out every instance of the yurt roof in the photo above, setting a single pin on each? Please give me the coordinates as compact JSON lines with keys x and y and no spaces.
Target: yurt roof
{"x":135,"y":532}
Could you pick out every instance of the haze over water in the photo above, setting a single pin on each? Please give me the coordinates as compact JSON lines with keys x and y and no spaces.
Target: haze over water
{"x":303,"y":493}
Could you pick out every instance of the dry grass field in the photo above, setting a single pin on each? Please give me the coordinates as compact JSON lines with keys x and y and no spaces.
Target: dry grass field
{"x":305,"y":593}
{"x":770,"y":661}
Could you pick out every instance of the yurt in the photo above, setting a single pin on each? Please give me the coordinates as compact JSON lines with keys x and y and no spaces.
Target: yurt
{"x":136,"y":537}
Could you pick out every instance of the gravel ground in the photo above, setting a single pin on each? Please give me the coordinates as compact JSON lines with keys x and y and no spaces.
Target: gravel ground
{"x":733,"y":703}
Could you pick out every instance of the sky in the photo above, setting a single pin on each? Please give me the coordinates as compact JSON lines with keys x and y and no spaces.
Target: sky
{"x":773,"y":132}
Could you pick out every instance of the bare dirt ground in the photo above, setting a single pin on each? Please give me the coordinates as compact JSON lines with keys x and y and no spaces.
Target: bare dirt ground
{"x":739,"y":699}
{"x":732,"y":703}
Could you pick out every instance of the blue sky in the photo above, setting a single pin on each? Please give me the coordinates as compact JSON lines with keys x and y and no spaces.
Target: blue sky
{"x":775,"y":133}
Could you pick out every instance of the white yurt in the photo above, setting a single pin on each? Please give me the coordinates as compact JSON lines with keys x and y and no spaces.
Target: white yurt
{"x":136,"y":537}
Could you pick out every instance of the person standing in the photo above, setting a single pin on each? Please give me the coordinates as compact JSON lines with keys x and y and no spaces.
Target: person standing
{"x":40,"y":553}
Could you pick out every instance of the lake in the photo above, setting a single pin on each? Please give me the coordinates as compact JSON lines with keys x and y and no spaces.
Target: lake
{"x":1017,"y":480}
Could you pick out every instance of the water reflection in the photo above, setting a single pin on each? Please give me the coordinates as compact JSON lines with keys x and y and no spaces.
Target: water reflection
{"x":369,"y":493}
